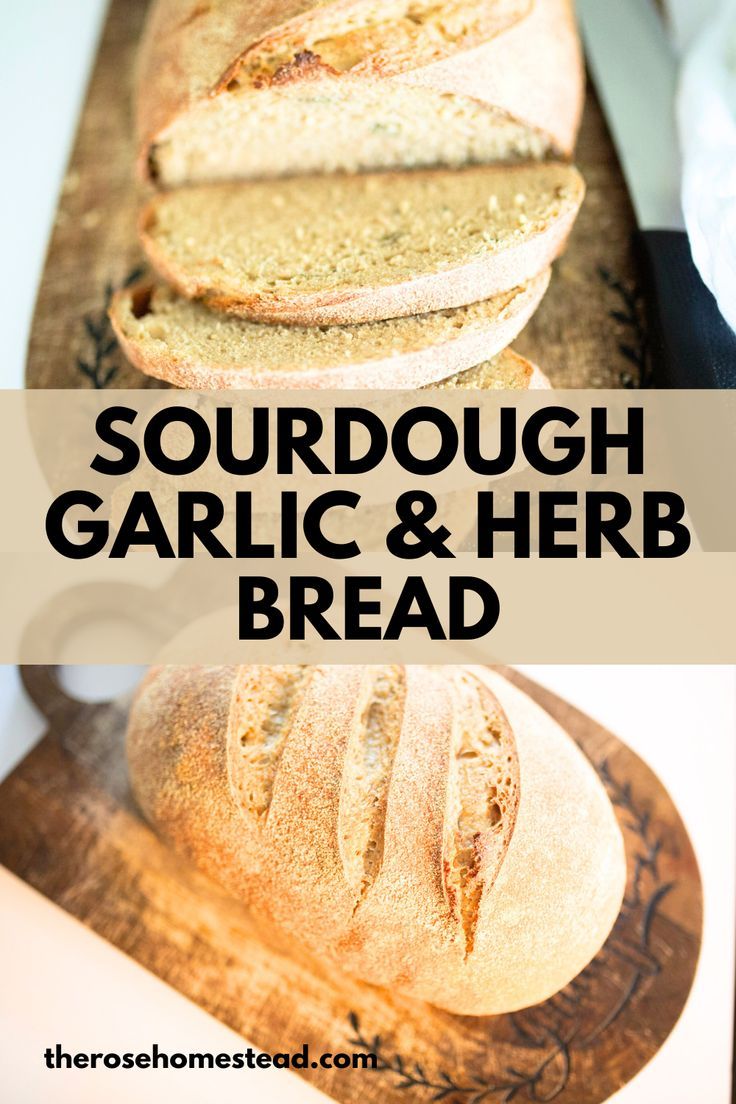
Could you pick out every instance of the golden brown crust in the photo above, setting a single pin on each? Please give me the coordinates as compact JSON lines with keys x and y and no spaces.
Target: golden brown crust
{"x":528,"y":67}
{"x":514,"y":928}
{"x":534,"y":73}
{"x":179,"y":764}
{"x":380,"y":49}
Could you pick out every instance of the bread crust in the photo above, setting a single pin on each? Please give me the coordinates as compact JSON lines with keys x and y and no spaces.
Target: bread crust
{"x":530,"y":70}
{"x":416,"y":368}
{"x":533,"y":72}
{"x":534,"y":378}
{"x":543,"y":912}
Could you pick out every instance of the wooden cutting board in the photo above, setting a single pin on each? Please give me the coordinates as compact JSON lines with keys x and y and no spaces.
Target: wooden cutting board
{"x":69,"y":827}
{"x":589,"y":331}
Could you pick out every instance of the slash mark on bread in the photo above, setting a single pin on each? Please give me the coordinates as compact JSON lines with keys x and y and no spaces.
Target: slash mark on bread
{"x":366,"y":780}
{"x":383,"y":39}
{"x":263,"y":723}
{"x":483,"y":797}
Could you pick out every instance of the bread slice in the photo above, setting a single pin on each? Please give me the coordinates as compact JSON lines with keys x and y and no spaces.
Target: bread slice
{"x":344,"y":249}
{"x":232,"y":90}
{"x":187,"y":344}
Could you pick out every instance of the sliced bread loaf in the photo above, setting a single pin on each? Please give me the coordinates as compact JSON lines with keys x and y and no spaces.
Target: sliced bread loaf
{"x":233,"y":90}
{"x":186,"y":344}
{"x":344,"y":249}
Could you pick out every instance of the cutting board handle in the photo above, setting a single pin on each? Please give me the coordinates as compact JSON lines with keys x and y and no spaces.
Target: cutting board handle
{"x":60,"y":709}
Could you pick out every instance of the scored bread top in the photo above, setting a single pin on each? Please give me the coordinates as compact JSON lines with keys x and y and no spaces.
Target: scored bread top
{"x":351,"y":740}
{"x":185,"y":343}
{"x":224,"y":44}
{"x":427,"y":829}
{"x":344,"y":249}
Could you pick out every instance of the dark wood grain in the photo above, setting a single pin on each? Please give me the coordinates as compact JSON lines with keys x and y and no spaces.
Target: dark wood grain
{"x":69,"y":827}
{"x":587,"y":333}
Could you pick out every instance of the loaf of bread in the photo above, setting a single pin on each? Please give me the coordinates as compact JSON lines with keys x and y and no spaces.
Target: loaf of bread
{"x":427,"y":829}
{"x":232,"y":89}
{"x":189,"y":345}
{"x":334,"y":250}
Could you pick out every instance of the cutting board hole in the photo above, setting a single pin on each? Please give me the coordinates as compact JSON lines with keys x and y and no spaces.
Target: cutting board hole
{"x":99,"y":682}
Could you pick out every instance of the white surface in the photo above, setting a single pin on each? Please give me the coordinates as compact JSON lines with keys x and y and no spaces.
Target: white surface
{"x":63,"y":984}
{"x":706,"y":108}
{"x":46,"y":48}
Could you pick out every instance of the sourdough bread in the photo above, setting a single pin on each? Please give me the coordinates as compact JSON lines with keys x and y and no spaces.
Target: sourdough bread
{"x":232,"y":90}
{"x":187,"y":344}
{"x":345,"y":249}
{"x":426,"y":829}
